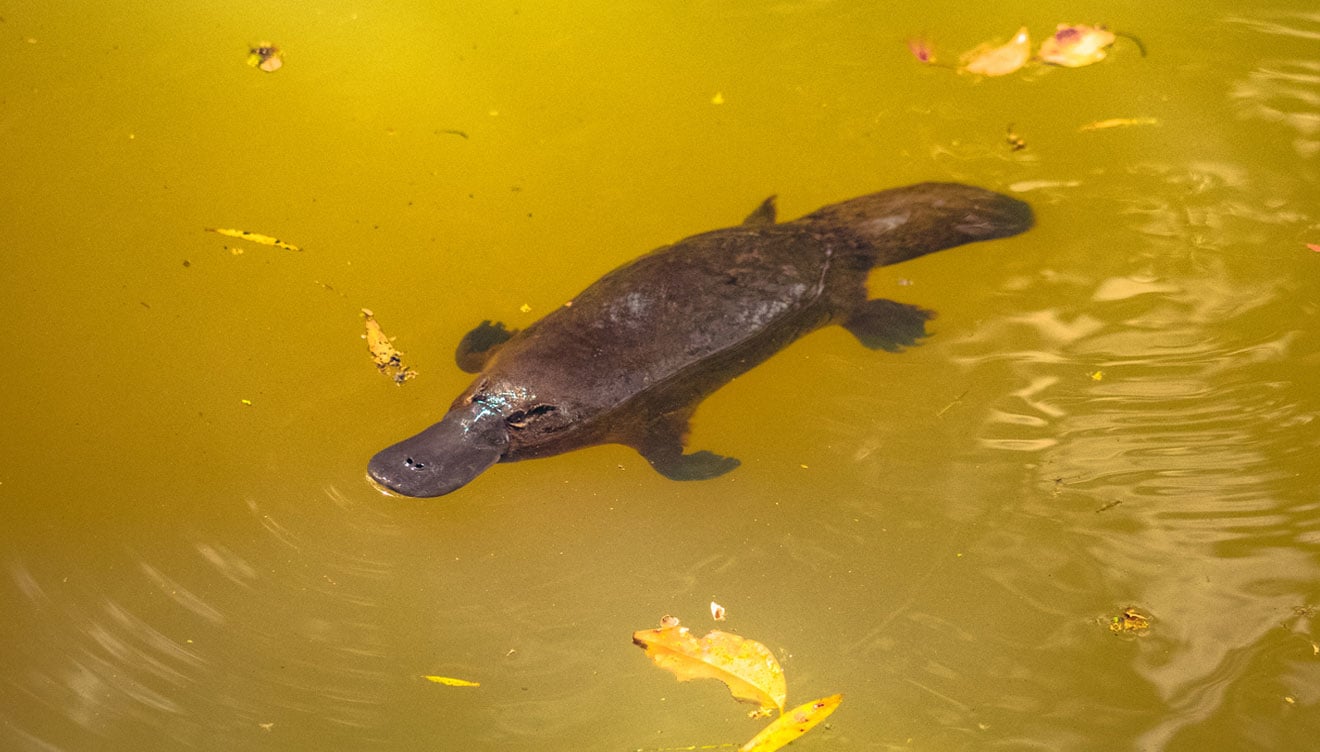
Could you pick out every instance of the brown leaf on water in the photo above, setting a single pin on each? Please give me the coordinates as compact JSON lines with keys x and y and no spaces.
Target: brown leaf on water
{"x":1074,"y":46}
{"x":792,"y":724}
{"x":990,"y":59}
{"x":746,"y":666}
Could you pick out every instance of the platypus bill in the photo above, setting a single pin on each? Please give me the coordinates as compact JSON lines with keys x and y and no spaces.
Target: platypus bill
{"x":628,"y":360}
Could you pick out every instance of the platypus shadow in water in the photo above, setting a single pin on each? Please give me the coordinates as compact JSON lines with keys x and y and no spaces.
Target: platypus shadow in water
{"x":628,"y":360}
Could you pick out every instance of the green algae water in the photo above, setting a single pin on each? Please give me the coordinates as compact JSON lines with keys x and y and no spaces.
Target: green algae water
{"x":1116,"y":410}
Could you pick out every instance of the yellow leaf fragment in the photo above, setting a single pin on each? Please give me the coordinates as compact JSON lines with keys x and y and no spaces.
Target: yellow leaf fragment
{"x":388,"y":360}
{"x":255,"y":237}
{"x":450,"y":681}
{"x":998,"y":60}
{"x":746,"y":666}
{"x":1075,"y":46}
{"x":1131,"y":620}
{"x":1100,"y":125}
{"x":792,"y":724}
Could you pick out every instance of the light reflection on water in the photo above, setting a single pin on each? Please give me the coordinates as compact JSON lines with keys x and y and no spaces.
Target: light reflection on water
{"x":1162,"y":418}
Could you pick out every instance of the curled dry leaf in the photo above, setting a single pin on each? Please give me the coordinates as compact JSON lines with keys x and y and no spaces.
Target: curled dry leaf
{"x":792,"y":724}
{"x":388,"y":360}
{"x":1075,"y":46}
{"x":746,"y":666}
{"x":1131,"y":620}
{"x":990,"y":59}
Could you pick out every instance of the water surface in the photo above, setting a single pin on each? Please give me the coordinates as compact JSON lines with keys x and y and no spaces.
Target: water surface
{"x":1115,"y":410}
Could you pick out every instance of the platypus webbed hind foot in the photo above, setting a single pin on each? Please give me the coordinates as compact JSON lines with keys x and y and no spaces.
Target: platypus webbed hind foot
{"x":882,"y":324}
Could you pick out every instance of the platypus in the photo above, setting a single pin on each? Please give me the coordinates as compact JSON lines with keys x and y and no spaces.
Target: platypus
{"x":628,"y":359}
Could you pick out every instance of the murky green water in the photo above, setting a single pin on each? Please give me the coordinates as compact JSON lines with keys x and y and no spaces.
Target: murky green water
{"x":1117,"y":409}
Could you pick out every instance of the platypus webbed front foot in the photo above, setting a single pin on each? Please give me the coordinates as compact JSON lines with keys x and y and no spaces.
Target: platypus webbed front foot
{"x":701,"y":465}
{"x":661,"y":444}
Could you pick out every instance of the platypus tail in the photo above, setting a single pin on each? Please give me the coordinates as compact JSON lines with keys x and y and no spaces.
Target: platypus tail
{"x":904,"y":223}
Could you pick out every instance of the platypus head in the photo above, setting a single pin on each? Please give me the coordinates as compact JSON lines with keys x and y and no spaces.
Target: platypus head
{"x":484,"y":425}
{"x":446,"y":456}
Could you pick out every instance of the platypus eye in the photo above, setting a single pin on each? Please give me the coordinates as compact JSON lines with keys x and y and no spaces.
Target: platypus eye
{"x":521,"y":418}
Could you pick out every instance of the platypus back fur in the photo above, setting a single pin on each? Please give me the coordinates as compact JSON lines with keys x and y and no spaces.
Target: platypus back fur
{"x":628,"y":359}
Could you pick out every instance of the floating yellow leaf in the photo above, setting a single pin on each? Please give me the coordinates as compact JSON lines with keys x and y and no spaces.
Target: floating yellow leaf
{"x":387,"y":359}
{"x":253,"y":236}
{"x":999,"y":60}
{"x":1075,"y":46}
{"x":1119,"y":123}
{"x":746,"y":666}
{"x":449,"y":681}
{"x":792,"y":724}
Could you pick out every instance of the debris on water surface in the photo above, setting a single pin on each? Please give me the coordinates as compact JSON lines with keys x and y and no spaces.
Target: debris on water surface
{"x":922,"y":49}
{"x":1074,"y":46}
{"x":450,"y":681}
{"x":1070,"y":46}
{"x":746,"y":667}
{"x":990,"y":59}
{"x":388,"y":360}
{"x":265,"y":56}
{"x":1131,"y":621}
{"x":716,"y":611}
{"x":1014,"y":139}
{"x":254,"y":237}
{"x":792,"y":724}
{"x":1100,"y":125}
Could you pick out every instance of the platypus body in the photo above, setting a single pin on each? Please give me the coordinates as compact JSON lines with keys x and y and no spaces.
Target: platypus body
{"x":628,"y":360}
